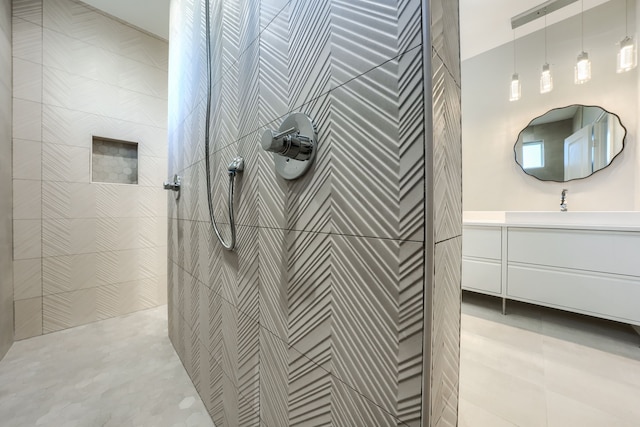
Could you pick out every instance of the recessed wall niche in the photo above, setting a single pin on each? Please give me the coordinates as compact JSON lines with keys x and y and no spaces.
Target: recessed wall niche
{"x":114,"y":161}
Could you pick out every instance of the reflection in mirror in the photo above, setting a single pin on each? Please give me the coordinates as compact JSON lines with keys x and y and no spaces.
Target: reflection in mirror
{"x":569,"y":143}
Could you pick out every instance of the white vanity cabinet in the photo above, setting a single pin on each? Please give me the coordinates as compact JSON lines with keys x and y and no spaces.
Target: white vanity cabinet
{"x":584,"y":269}
{"x":482,"y":259}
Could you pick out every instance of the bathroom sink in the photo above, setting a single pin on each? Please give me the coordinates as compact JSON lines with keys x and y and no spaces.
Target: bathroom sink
{"x":626,"y":218}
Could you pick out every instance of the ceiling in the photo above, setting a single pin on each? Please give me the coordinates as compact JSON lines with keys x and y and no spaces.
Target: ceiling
{"x":149,"y":15}
{"x":486,"y":24}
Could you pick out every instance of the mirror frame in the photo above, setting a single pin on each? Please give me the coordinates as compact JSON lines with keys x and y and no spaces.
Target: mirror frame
{"x":624,"y":139}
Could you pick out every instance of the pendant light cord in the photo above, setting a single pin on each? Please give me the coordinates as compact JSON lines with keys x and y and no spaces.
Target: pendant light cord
{"x":545,"y":36}
{"x":514,"y":51}
{"x":626,"y":18}
{"x":582,"y":26}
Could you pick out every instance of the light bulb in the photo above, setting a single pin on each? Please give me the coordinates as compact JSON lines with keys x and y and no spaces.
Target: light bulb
{"x":627,"y":58}
{"x":546,"y":81}
{"x":515,"y":89}
{"x":582,"y":69}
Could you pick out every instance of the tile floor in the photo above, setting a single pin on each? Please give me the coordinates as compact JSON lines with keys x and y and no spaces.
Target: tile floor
{"x":543,"y":367}
{"x":118,"y":372}
{"x":533,"y":367}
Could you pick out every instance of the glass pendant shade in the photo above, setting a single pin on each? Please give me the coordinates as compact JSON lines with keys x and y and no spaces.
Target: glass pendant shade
{"x":546,"y":80}
{"x":515,"y":89}
{"x":582,"y":69}
{"x":627,"y":55}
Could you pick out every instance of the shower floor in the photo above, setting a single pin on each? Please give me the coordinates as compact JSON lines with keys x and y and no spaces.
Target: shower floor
{"x":118,"y":372}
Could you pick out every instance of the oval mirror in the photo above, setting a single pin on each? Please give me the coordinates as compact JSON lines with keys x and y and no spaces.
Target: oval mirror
{"x":569,"y":143}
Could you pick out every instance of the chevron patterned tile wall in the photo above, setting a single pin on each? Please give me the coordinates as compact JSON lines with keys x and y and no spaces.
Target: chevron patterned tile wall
{"x":317,"y":317}
{"x":85,"y":251}
{"x":447,"y":213}
{"x":6,"y":239}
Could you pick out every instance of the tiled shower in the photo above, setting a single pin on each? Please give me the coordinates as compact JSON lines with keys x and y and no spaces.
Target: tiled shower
{"x":319,"y":316}
{"x":341,"y":304}
{"x":85,"y":249}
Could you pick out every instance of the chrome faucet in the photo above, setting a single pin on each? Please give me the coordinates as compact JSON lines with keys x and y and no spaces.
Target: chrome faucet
{"x":563,"y":200}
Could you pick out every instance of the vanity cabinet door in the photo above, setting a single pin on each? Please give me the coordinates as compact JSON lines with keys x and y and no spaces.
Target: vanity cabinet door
{"x":609,"y":296}
{"x":482,"y":259}
{"x":602,"y":251}
{"x":482,"y":242}
{"x":482,"y":276}
{"x":586,"y":271}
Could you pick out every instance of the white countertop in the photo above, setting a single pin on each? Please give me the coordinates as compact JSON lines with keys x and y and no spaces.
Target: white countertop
{"x":580,"y":220}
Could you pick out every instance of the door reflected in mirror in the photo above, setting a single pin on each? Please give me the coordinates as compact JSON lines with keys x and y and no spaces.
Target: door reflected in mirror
{"x":569,"y":143}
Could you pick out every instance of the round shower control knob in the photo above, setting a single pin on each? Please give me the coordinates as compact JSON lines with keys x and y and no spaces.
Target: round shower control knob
{"x":270,"y":143}
{"x":294,"y":145}
{"x":288,"y":143}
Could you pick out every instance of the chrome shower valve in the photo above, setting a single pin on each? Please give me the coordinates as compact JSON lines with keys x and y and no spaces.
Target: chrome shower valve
{"x":288,"y":143}
{"x":294,"y":145}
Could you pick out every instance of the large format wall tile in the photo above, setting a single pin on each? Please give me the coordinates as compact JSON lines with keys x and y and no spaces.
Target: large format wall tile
{"x":447,"y":153}
{"x":100,"y":249}
{"x":27,"y":80}
{"x":27,"y":40}
{"x":27,"y":199}
{"x":295,"y":391}
{"x":27,"y":159}
{"x":346,"y":306}
{"x":445,"y":35}
{"x":68,"y":200}
{"x":446,"y":332}
{"x":27,"y":241}
{"x":27,"y":119}
{"x":6,"y":218}
{"x":29,"y":10}
{"x":27,"y":278}
{"x":443,"y":365}
{"x":74,"y":308}
{"x":62,"y":311}
{"x":65,"y":163}
{"x":28,"y":318}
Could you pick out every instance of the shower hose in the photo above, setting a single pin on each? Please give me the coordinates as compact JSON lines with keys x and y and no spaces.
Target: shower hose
{"x":234,"y":167}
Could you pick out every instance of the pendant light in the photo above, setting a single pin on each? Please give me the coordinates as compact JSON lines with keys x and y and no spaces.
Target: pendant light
{"x":546,"y":80}
{"x":515,"y":90}
{"x":582,"y":71}
{"x":627,"y":57}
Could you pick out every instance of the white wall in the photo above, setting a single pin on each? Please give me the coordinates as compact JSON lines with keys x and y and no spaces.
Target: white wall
{"x":637,"y":152}
{"x":491,"y":178}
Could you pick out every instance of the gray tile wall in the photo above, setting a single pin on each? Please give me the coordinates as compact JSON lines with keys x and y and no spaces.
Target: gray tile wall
{"x":446,"y":198}
{"x":85,"y":251}
{"x":317,"y":317}
{"x":6,"y":212}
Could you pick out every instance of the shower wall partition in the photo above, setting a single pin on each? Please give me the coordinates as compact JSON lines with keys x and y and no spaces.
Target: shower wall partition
{"x":319,"y":316}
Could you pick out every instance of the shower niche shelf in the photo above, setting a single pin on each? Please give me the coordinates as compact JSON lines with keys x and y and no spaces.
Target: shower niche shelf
{"x":114,"y":161}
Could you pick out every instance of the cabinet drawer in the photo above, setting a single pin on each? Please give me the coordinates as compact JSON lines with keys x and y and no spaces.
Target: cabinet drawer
{"x":607,"y":296}
{"x":482,"y":242}
{"x":602,"y":251}
{"x":482,"y":275}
